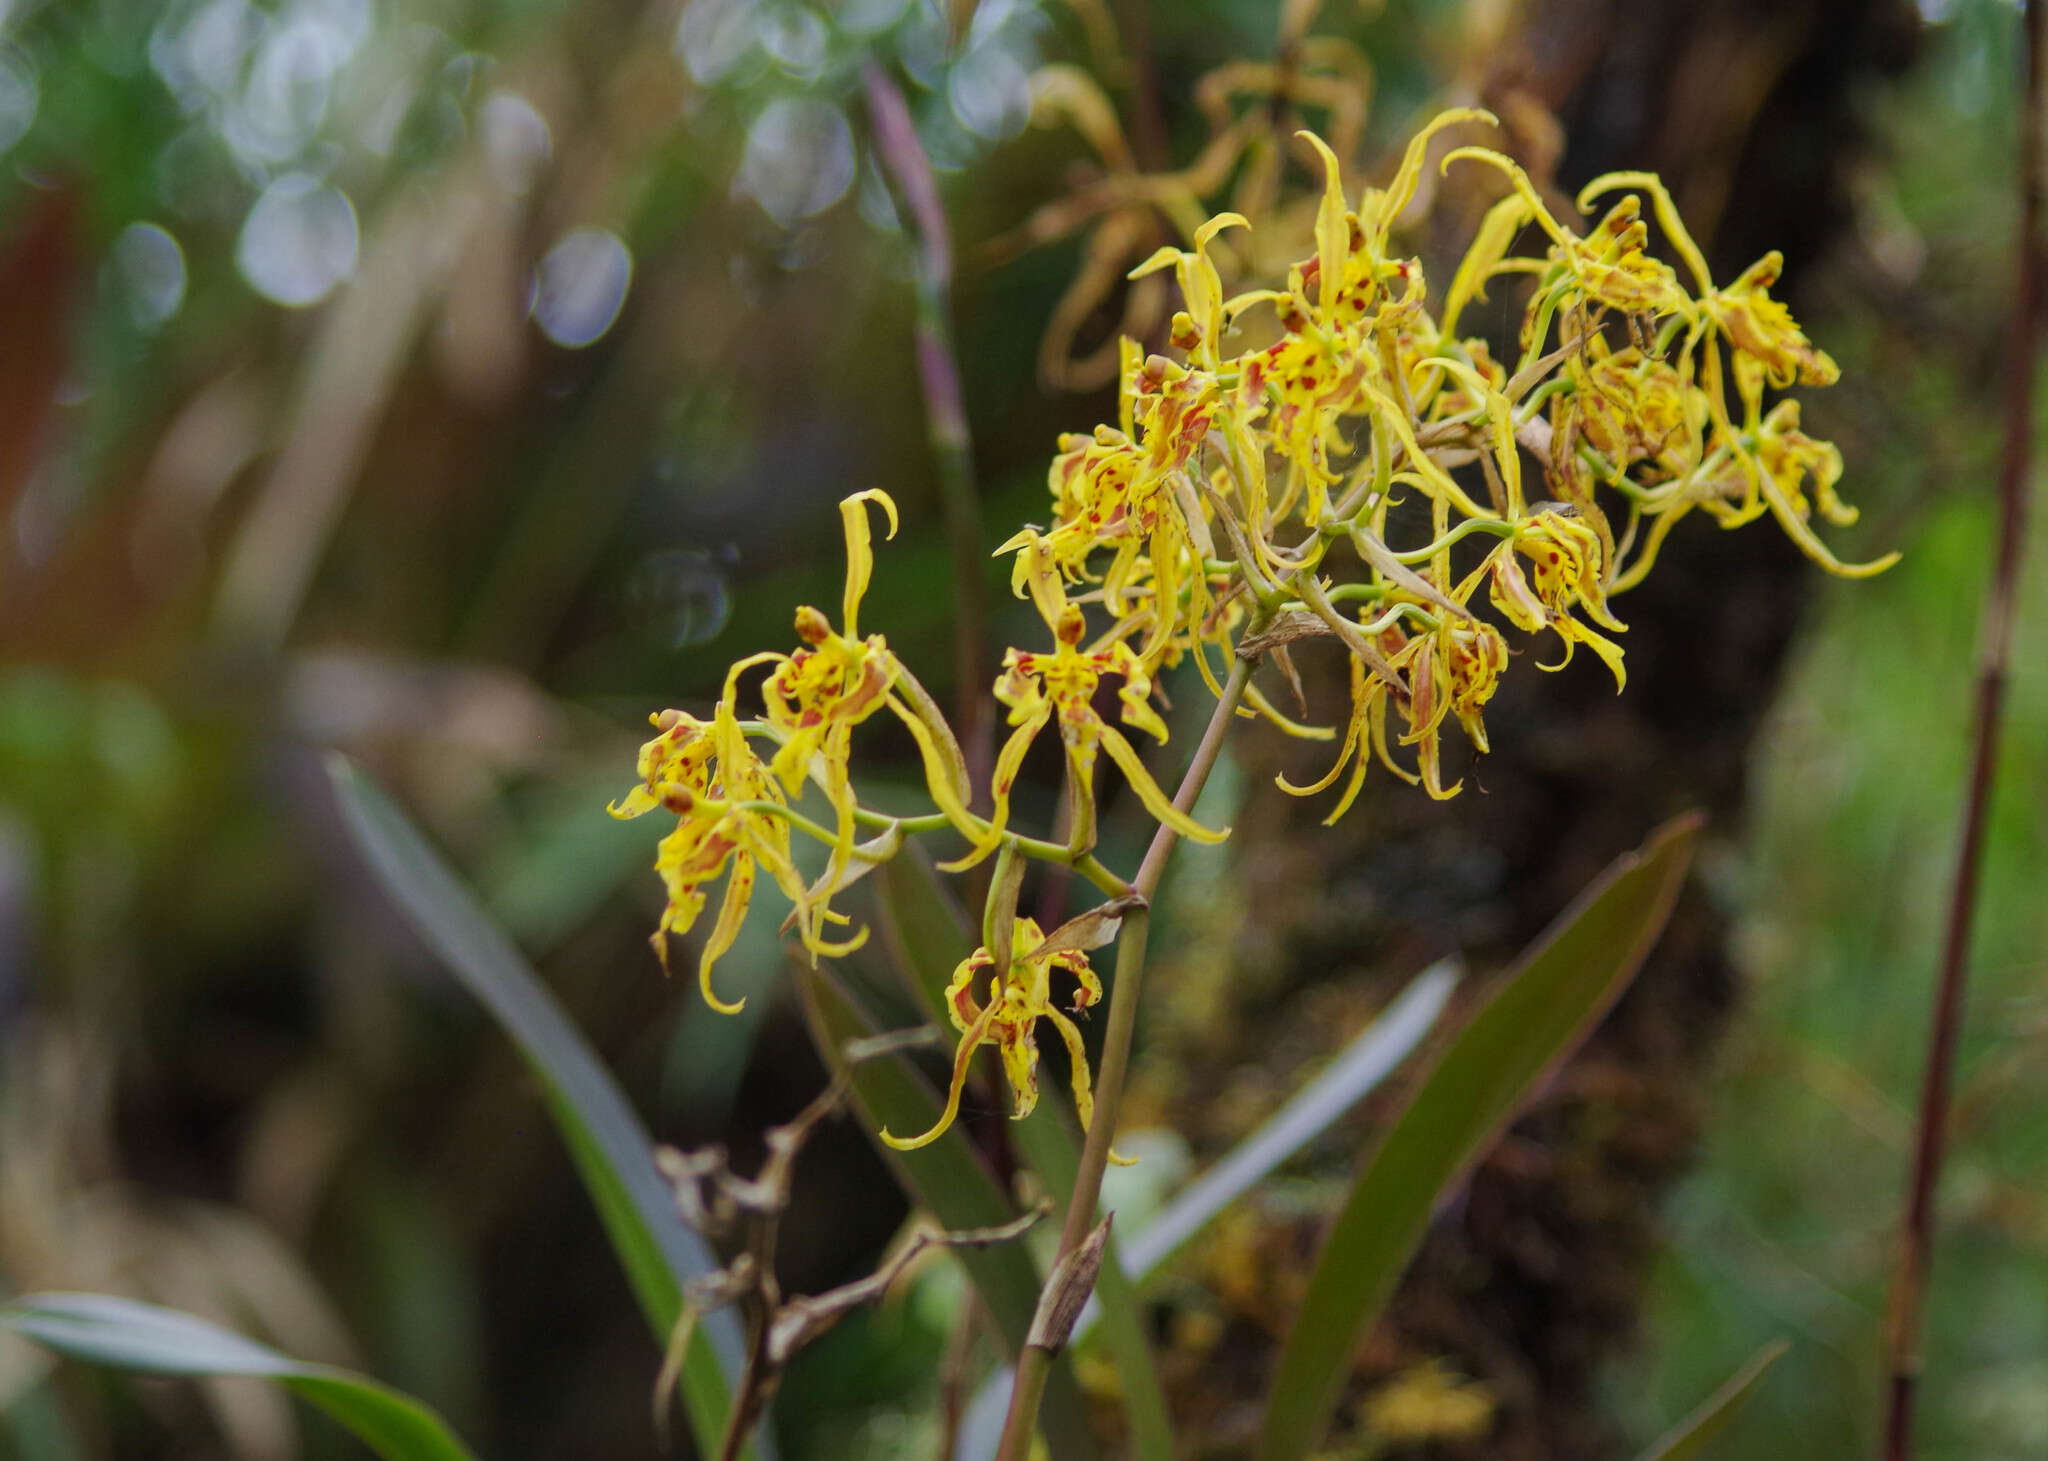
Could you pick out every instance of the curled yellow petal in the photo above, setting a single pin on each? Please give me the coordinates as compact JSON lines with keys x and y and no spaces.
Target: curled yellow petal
{"x":969,"y":1043}
{"x":1163,"y":811}
{"x":1512,"y":170}
{"x":1812,"y":546}
{"x":640,"y":799}
{"x":1489,"y":247}
{"x":1354,"y":739}
{"x":940,"y":779}
{"x":1667,"y":216}
{"x":1401,"y":191}
{"x":730,"y":695}
{"x":1265,"y":709}
{"x":860,"y":553}
{"x":1333,"y":232}
{"x":1002,"y":781}
{"x":1084,"y":1093}
{"x":739,"y":892}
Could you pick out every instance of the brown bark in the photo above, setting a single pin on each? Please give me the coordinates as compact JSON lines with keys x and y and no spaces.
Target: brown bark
{"x":1532,"y":1278}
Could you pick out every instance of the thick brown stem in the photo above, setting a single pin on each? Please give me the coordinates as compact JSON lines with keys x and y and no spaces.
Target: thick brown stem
{"x":1906,"y":1310}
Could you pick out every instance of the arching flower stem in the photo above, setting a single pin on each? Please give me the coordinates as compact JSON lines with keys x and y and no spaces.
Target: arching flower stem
{"x":1035,"y":1364}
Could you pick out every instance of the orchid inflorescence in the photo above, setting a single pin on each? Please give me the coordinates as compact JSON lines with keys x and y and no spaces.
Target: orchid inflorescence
{"x":1255,"y":492}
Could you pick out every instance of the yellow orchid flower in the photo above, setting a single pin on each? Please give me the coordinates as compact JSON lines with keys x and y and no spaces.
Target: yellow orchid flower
{"x":1016,"y":1002}
{"x":1137,"y":499}
{"x":1039,"y":686}
{"x":818,"y":694}
{"x":1455,"y":673}
{"x":1091,"y":480}
{"x":674,"y":767}
{"x":1630,"y":407}
{"x":1198,"y":328}
{"x":1365,"y":737}
{"x":1770,"y":347}
{"x":1614,"y":268}
{"x":705,"y":773}
{"x":1453,"y":667}
{"x":1791,"y":458}
{"x":1564,"y":573}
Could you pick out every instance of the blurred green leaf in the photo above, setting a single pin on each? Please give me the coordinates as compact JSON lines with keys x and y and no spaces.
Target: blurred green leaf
{"x":1691,"y":1436}
{"x":1357,"y":1069}
{"x":126,"y":1335}
{"x":611,"y":1149}
{"x":949,"y":1180}
{"x":1542,"y":1012}
{"x":545,"y":883}
{"x":924,"y":928}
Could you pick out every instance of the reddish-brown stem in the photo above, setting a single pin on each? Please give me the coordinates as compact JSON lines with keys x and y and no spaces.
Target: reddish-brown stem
{"x":1906,"y":1310}
{"x":938,"y":366}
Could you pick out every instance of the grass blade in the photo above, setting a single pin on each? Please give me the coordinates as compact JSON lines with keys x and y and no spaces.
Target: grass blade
{"x":1540,"y":1014}
{"x":610,"y":1147}
{"x":124,"y":1335}
{"x":1691,"y":1436}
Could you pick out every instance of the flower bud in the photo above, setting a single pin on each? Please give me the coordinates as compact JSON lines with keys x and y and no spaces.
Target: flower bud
{"x":812,"y":627}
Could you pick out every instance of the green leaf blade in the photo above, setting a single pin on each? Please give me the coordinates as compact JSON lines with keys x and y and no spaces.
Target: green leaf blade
{"x":145,"y":1339}
{"x":610,"y":1147}
{"x":1691,"y":1436}
{"x":1542,"y":1012}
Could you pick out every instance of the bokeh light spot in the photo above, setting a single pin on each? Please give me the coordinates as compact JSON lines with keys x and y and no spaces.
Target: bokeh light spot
{"x":19,"y":97}
{"x":990,"y":92}
{"x":151,"y":270}
{"x":298,"y":242}
{"x":714,"y":36}
{"x":581,"y":286}
{"x":516,"y":140}
{"x":680,"y":597}
{"x":799,"y":160}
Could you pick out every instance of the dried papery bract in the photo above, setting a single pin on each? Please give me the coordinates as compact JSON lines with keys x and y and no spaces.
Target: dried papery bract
{"x":746,"y":1212}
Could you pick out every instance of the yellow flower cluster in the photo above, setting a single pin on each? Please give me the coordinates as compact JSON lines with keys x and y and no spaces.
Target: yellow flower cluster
{"x":1258,"y":489}
{"x":1320,"y":410}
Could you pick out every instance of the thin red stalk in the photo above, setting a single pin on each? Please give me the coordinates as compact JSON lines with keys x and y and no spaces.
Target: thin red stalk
{"x":938,"y":366}
{"x":1907,"y":1308}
